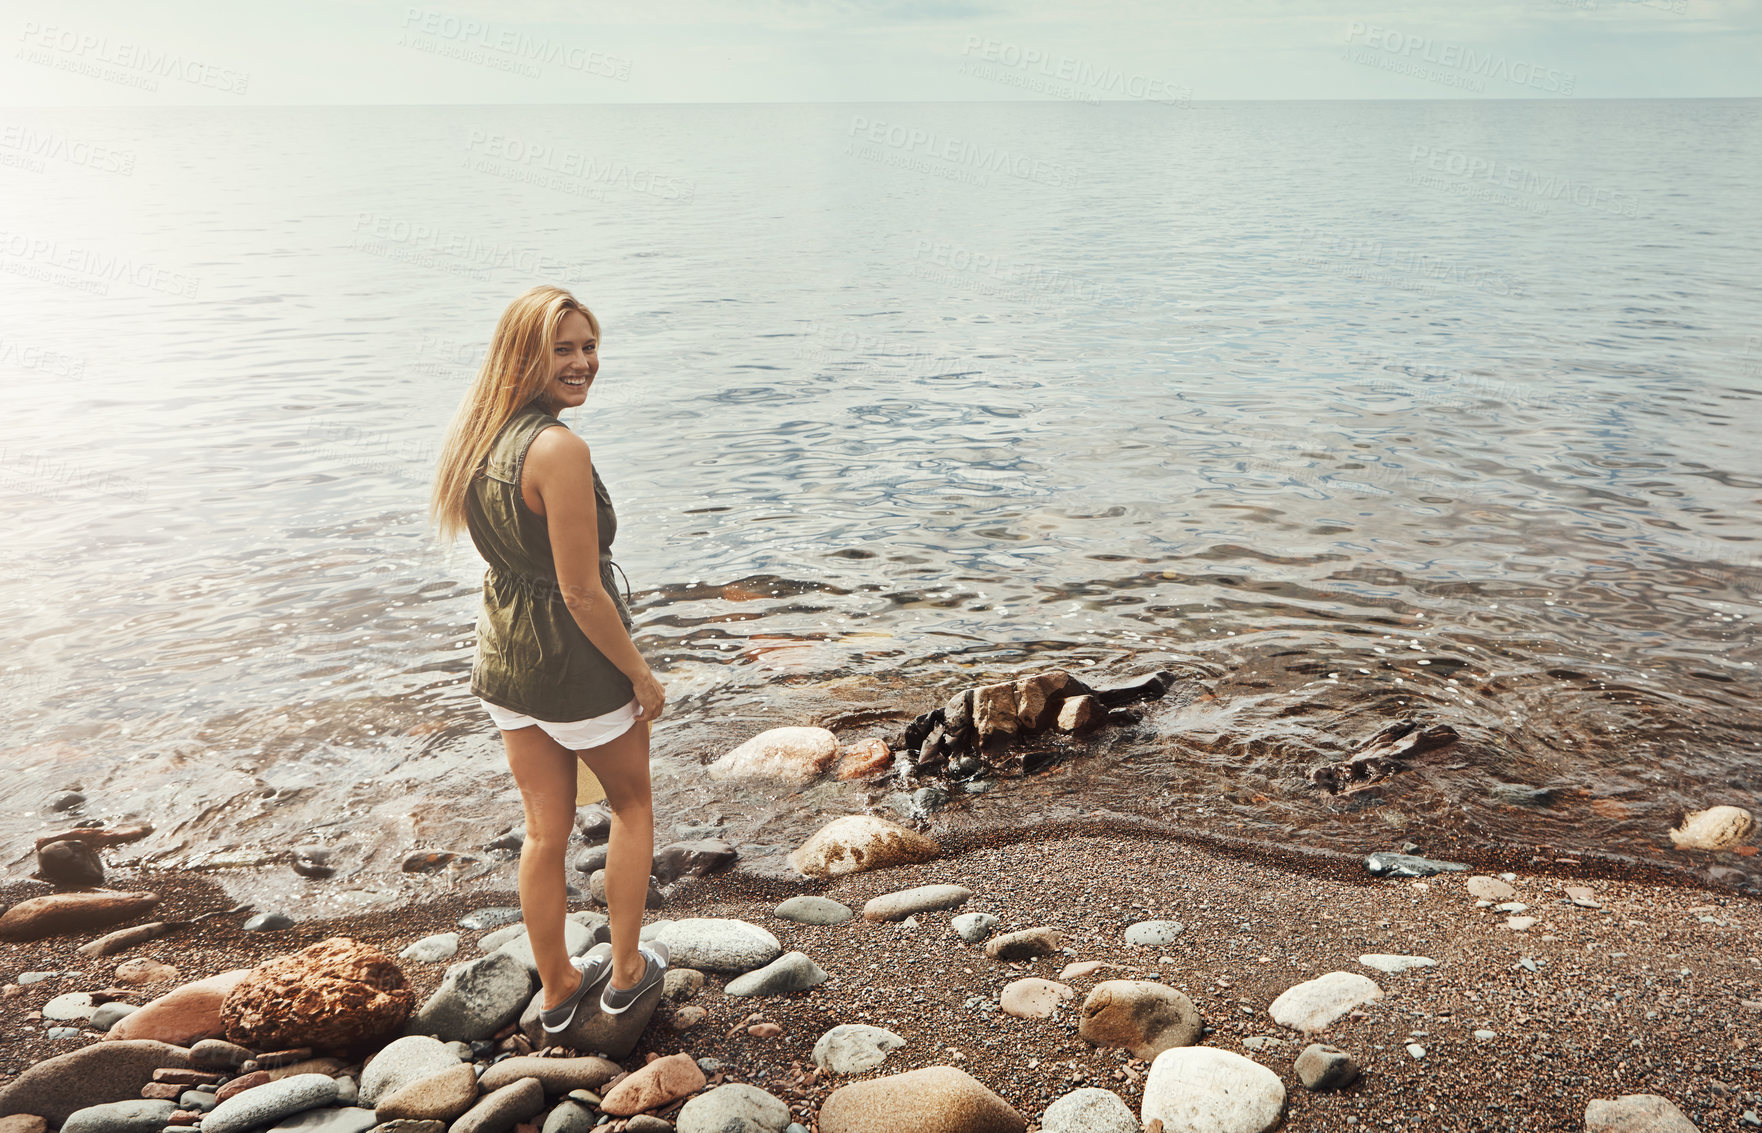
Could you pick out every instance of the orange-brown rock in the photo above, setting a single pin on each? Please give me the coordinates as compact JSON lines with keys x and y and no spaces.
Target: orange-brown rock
{"x":242,"y":1083}
{"x":183,"y":1015}
{"x":863,"y":759}
{"x":935,"y":1099}
{"x":661,"y":1081}
{"x":336,"y":995}
{"x":38,"y":917}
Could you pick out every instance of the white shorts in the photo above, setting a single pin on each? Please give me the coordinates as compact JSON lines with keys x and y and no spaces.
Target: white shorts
{"x":573,"y":734}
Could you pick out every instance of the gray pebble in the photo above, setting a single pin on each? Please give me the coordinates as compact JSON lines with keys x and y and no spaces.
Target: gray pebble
{"x":814,"y":910}
{"x":1154,"y":934}
{"x":792,"y":971}
{"x":110,"y":1014}
{"x":570,"y":1117}
{"x":973,"y":927}
{"x":136,"y":1116}
{"x":1407,"y":865}
{"x":268,"y":922}
{"x":489,"y":918}
{"x":590,"y":859}
{"x":348,"y":1120}
{"x":1322,"y":1067}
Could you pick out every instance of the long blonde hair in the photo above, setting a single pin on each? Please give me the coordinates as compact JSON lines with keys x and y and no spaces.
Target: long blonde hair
{"x":515,"y":370}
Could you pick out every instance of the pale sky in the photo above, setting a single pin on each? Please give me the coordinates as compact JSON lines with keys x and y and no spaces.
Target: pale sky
{"x":183,"y":52}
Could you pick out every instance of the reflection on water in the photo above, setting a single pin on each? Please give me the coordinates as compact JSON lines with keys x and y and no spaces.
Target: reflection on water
{"x":1246,"y":400}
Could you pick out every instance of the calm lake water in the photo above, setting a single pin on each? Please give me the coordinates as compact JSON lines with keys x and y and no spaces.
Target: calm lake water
{"x":1345,"y":411}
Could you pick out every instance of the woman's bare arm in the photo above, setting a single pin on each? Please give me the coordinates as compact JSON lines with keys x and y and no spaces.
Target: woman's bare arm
{"x":560,"y":470}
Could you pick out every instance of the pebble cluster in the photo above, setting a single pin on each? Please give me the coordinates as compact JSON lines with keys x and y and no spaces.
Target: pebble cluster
{"x":332,"y":1038}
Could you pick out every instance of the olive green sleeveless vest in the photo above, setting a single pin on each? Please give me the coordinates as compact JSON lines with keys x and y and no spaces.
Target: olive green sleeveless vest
{"x":531,"y":655}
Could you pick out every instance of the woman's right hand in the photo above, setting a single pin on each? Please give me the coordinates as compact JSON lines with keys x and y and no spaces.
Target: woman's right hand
{"x":650,"y":696}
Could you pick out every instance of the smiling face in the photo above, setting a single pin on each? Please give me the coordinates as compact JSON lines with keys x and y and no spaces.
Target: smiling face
{"x":574,"y":361}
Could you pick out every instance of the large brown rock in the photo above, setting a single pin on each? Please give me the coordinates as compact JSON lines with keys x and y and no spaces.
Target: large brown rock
{"x":91,"y":1075}
{"x":593,"y":1031}
{"x":1039,"y":697}
{"x":936,"y":1099}
{"x":336,"y":995}
{"x":661,"y":1081}
{"x":994,"y":711}
{"x":56,"y":913}
{"x":1143,"y":1017}
{"x":182,"y":1015}
{"x":860,"y":842}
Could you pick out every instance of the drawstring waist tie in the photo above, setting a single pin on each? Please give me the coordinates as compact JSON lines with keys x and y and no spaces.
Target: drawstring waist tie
{"x":544,"y":586}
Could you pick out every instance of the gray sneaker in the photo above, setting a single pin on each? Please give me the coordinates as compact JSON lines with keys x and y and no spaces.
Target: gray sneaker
{"x":593,"y":968}
{"x":617,"y":1000}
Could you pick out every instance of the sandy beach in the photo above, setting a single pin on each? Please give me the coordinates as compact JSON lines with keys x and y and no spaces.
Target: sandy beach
{"x":1656,"y":990}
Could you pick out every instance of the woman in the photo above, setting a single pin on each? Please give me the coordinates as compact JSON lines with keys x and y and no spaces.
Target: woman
{"x":555,"y":667}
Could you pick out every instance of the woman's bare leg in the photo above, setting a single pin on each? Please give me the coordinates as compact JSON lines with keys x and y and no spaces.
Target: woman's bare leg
{"x":622,"y":767}
{"x":545,"y":772}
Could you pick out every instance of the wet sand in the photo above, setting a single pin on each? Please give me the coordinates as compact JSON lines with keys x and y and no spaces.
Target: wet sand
{"x":1659,"y":991}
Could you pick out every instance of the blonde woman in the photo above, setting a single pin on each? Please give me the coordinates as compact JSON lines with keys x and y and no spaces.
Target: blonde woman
{"x":555,"y":667}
